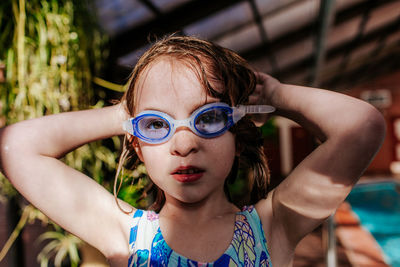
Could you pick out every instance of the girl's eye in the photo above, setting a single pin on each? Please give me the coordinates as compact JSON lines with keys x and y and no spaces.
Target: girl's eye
{"x":151,"y":124}
{"x":212,"y":116}
{"x":207,"y":118}
{"x":156,"y":124}
{"x":153,"y":127}
{"x":211,"y":121}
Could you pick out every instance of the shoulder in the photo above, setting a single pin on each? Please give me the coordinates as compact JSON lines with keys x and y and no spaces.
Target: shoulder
{"x":275,"y":220}
{"x":265,"y":211}
{"x":280,"y":245}
{"x":117,"y":231}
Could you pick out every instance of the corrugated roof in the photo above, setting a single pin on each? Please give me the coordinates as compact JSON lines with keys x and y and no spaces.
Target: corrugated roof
{"x":301,"y":41}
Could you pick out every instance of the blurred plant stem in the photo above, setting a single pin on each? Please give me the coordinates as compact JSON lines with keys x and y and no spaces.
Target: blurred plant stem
{"x":50,"y":50}
{"x":51,"y":55}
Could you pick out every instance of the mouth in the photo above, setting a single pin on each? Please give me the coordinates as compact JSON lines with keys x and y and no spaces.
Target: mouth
{"x":187,"y":174}
{"x":188,"y":171}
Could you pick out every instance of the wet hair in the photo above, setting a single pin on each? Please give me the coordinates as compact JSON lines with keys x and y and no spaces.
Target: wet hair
{"x":224,"y":75}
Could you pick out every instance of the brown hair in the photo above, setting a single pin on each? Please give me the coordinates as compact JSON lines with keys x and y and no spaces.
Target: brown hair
{"x":213,"y":65}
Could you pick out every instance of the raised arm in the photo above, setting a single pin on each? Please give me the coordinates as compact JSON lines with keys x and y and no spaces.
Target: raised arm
{"x":350,"y":131}
{"x":29,"y":159}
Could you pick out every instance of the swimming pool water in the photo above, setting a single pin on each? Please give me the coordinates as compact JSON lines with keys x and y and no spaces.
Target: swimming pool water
{"x":378,"y":207}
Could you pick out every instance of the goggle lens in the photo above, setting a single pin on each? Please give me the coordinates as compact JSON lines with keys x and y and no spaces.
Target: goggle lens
{"x":153,"y":127}
{"x":212,"y":121}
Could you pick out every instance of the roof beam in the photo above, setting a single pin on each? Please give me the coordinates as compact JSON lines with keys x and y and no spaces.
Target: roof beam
{"x":306,"y":32}
{"x":265,"y":15}
{"x":356,"y":39}
{"x":365,"y":72}
{"x":325,"y":17}
{"x":177,"y":19}
{"x":263,"y":35}
{"x":372,"y":36}
{"x":151,"y":6}
{"x":169,"y":22}
{"x":359,"y":9}
{"x":381,"y":40}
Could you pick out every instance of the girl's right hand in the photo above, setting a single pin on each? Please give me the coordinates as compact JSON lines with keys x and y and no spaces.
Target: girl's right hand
{"x":29,"y":153}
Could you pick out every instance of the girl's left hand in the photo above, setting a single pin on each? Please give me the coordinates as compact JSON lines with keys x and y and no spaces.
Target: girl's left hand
{"x":263,"y":95}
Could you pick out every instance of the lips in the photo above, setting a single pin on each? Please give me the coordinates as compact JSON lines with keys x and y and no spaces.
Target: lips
{"x":187,"y":174}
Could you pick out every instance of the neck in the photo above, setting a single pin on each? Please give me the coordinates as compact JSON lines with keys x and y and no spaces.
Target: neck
{"x":198,"y":211}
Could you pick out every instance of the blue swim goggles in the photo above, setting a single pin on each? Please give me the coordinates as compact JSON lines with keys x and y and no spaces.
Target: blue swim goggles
{"x":208,"y":121}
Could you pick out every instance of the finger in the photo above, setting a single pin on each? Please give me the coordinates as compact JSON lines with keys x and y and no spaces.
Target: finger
{"x":261,"y":77}
{"x":258,"y":89}
{"x":253,"y":99}
{"x":258,"y":77}
{"x":257,"y":92}
{"x":259,"y":119}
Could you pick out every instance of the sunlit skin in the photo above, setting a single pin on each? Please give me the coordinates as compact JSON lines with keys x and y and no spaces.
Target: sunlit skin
{"x":181,"y":93}
{"x":197,"y":220}
{"x":175,"y":89}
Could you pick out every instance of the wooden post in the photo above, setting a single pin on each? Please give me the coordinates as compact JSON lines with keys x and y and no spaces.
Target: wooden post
{"x":7,"y":224}
{"x":2,"y":71}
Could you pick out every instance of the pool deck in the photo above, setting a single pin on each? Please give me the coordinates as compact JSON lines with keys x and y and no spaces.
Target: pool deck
{"x":356,"y":247}
{"x":359,"y":245}
{"x":311,"y":252}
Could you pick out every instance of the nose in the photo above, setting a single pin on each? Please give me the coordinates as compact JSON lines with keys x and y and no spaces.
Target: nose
{"x":184,"y":142}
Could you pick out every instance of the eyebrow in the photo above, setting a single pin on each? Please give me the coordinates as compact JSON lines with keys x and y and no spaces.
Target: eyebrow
{"x":208,"y":101}
{"x":196,"y":107}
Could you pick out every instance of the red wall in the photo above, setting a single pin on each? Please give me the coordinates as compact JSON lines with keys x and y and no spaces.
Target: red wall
{"x":381,"y":163}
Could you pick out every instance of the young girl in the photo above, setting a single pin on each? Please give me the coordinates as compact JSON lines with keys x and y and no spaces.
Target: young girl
{"x":181,"y":117}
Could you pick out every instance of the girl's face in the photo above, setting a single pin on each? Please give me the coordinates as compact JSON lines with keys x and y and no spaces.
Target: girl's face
{"x":188,"y":168}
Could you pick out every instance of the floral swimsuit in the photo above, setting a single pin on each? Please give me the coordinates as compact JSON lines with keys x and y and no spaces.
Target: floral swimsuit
{"x":148,"y":247}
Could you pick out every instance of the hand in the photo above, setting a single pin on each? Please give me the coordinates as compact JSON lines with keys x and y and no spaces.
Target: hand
{"x":262,"y":95}
{"x":265,"y":88}
{"x":122,"y":110}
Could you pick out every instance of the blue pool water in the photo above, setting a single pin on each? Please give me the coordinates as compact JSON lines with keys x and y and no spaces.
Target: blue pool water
{"x":378,"y":207}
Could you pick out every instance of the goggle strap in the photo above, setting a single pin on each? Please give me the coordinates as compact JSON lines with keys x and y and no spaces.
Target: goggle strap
{"x":127,"y":126}
{"x":254,"y":109}
{"x":240,"y":111}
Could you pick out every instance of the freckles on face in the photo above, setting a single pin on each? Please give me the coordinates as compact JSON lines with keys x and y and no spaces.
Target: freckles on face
{"x":175,"y":90}
{"x":166,"y":82}
{"x":214,"y":156}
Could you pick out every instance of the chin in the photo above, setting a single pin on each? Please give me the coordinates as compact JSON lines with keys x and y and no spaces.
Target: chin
{"x":189,"y":198}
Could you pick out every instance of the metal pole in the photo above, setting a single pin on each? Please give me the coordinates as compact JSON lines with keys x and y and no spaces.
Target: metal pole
{"x":331,"y":256}
{"x":325,"y":18}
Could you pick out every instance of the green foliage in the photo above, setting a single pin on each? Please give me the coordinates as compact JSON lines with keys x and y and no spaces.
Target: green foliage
{"x":29,"y":215}
{"x":60,"y":245}
{"x":51,"y":50}
{"x":269,"y":129}
{"x":6,"y":190}
{"x":134,"y":185}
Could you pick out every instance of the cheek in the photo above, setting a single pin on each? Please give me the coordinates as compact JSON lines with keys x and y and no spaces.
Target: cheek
{"x":223,"y":153}
{"x":217,"y":154}
{"x":154,"y":158}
